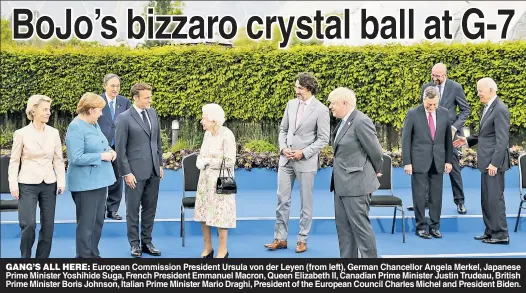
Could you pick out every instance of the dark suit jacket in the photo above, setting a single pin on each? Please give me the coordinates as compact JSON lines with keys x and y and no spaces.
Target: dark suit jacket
{"x":493,"y":138}
{"x":139,"y":149}
{"x":453,"y":96}
{"x":106,"y":124}
{"x":418,"y":148}
{"x":358,"y":156}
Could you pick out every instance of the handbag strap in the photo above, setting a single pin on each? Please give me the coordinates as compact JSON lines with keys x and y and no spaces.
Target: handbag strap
{"x":223,"y":162}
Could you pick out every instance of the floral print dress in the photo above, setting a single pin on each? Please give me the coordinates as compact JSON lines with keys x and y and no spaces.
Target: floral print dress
{"x":216,"y":210}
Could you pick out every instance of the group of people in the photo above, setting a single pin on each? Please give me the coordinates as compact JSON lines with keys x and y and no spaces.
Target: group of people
{"x":112,"y":140}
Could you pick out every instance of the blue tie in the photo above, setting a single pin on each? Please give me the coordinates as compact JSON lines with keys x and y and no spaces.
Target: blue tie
{"x":112,"y":111}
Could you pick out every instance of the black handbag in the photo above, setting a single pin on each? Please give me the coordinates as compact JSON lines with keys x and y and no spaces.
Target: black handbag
{"x":225,"y":184}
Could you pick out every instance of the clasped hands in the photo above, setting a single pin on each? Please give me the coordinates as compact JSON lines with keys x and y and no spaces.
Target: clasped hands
{"x":109,"y":156}
{"x":294,"y":155}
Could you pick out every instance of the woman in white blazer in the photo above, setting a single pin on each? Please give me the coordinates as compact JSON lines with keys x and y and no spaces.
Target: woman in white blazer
{"x":36,"y":175}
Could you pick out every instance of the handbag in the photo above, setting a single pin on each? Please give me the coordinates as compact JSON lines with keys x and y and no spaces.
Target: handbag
{"x":225,"y":184}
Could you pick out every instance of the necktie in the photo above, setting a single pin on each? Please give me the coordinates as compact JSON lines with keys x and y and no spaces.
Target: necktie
{"x":342,"y":123}
{"x":431,"y":125}
{"x":484,"y":111}
{"x":143,"y":113}
{"x":112,"y":110}
{"x":300,"y":113}
{"x":439,"y":92}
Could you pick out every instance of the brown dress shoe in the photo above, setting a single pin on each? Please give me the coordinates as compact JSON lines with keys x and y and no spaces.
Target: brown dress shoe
{"x":301,"y":247}
{"x":276,"y":244}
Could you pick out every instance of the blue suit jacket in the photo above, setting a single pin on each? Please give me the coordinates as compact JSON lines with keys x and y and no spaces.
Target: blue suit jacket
{"x":107,"y":125}
{"x":86,"y":171}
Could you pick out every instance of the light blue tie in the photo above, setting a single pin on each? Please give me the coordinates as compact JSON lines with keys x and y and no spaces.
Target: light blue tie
{"x":340,"y":128}
{"x":112,"y":111}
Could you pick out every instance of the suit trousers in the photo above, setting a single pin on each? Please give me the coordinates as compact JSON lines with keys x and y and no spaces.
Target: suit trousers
{"x":455,"y":176}
{"x":114,"y":191}
{"x":144,"y":198}
{"x":286,"y":177}
{"x":493,"y":205}
{"x":90,"y":219}
{"x":46,"y":197}
{"x":355,"y":232}
{"x":430,"y":183}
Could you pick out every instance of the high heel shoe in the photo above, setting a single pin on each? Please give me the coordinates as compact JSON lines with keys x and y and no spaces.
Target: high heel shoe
{"x":209,"y":255}
{"x":226,"y":255}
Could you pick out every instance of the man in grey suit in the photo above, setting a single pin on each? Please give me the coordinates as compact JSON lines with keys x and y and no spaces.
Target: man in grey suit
{"x":357,"y":163}
{"x":304,"y":131}
{"x":427,"y":152}
{"x":115,"y":105}
{"x":493,"y":161}
{"x":139,"y":150}
{"x":451,"y":96}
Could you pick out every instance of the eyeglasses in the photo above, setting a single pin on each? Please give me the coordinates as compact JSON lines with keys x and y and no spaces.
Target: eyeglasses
{"x":437,"y":76}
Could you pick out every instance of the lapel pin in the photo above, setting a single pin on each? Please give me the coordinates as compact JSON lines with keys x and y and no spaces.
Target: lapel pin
{"x":348,"y":123}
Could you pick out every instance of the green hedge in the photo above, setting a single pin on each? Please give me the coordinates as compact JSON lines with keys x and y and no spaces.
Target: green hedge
{"x":254,"y":83}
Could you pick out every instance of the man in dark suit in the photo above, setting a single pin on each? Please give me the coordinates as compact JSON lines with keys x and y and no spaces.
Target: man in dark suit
{"x":139,"y":150}
{"x":427,"y":152}
{"x":451,"y":97}
{"x":115,"y":105}
{"x":358,"y":160}
{"x":493,"y":161}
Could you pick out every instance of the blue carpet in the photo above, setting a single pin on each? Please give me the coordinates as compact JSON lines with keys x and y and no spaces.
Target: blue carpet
{"x":256,"y":204}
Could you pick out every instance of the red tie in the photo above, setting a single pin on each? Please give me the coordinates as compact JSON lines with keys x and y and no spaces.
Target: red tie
{"x":431,"y":125}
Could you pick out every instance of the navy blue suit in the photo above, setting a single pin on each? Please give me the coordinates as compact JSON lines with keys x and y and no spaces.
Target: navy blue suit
{"x":107,"y":126}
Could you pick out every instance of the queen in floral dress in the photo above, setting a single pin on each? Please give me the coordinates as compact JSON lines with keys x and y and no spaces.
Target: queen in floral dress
{"x":212,"y":209}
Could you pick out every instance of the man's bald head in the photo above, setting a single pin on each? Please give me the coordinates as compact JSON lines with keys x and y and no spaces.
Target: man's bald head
{"x":439,"y":73}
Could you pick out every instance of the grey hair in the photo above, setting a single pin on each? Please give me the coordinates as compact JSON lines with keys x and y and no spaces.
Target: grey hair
{"x":343,"y":94}
{"x":214,"y":113}
{"x":109,"y":76}
{"x":32,"y":104}
{"x":489,"y":82}
{"x":430,"y":93}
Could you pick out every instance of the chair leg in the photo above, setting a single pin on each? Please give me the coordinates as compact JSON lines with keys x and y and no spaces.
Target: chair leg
{"x":182,"y":227}
{"x":394,"y":219}
{"x":403,"y":224}
{"x":518,"y":216}
{"x":181,"y":230}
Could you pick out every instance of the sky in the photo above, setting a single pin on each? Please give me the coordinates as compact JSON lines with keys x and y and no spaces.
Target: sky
{"x":242,"y":10}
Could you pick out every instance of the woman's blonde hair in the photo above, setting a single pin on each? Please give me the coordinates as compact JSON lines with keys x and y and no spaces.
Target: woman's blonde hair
{"x":90,"y":101}
{"x":32,"y":104}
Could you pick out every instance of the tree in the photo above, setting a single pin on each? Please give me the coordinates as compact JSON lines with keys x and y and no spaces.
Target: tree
{"x":163,"y":7}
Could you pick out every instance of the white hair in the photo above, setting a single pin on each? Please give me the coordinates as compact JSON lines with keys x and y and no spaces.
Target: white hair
{"x":215,"y":113}
{"x":489,"y":82}
{"x":32,"y":104}
{"x":343,"y":94}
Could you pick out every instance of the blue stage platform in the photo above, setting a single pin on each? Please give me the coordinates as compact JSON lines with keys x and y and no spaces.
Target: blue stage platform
{"x":256,"y":203}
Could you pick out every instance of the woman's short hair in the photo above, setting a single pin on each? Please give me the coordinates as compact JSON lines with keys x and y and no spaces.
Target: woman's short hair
{"x":90,"y":101}
{"x":215,"y":113}
{"x":32,"y":104}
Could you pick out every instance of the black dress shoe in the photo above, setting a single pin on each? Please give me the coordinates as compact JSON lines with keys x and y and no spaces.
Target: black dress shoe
{"x":410,"y":208}
{"x":461,"y":209}
{"x":113,"y":215}
{"x":209,"y":255}
{"x":482,"y":237}
{"x":150,"y":249}
{"x":504,"y":241}
{"x":435,"y":233}
{"x":136,"y":251}
{"x":423,"y":234}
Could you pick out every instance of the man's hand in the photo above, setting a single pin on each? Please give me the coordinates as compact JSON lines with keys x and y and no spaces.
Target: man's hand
{"x":297,"y":155}
{"x":460,"y":141}
{"x":492,"y":170}
{"x":130,"y":180}
{"x":408,"y":169}
{"x":161,"y":172}
{"x":447,"y":168}
{"x":287,"y":153}
{"x":379,"y":174}
{"x":453,"y":131}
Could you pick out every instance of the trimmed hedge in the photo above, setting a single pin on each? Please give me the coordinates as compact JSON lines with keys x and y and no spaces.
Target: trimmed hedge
{"x":254,"y":83}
